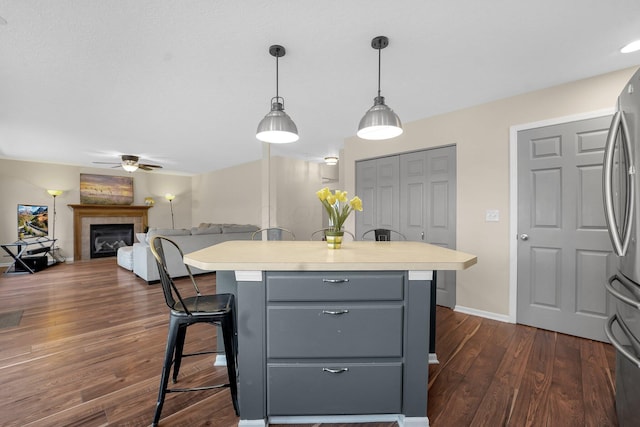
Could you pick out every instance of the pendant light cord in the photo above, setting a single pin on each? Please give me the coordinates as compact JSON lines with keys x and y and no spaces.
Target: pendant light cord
{"x":379,"y":61}
{"x":277,"y":75}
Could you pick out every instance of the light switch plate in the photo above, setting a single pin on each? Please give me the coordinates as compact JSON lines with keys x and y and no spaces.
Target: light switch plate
{"x":492,"y":215}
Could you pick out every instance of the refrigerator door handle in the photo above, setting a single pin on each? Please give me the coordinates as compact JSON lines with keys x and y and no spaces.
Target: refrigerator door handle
{"x":620,"y":242}
{"x":608,"y":330}
{"x":619,"y":295}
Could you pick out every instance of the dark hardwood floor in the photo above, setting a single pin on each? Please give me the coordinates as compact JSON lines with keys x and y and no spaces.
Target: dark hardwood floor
{"x":89,"y":347}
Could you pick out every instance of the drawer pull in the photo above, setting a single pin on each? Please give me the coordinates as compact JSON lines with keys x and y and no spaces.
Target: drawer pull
{"x":335,"y":371}
{"x":335,"y":280}
{"x":335,"y":313}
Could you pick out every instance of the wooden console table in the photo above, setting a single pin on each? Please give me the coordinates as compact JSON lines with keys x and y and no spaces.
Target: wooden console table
{"x":328,"y":336}
{"x":23,"y":251}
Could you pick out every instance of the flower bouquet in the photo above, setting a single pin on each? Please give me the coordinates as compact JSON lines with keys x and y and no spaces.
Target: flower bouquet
{"x":338,"y":207}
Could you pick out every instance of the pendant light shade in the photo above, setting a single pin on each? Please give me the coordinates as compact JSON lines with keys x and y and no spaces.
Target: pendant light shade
{"x":277,"y":127}
{"x":380,"y":122}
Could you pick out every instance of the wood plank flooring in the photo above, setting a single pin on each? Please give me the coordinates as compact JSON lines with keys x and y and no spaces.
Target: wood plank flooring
{"x":89,"y":347}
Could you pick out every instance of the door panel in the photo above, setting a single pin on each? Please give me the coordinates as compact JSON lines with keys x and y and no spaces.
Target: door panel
{"x":563,"y":262}
{"x":428,"y":200}
{"x":415,"y":194}
{"x":377,"y":184}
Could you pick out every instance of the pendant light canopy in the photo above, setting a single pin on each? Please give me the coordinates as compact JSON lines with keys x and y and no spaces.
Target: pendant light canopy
{"x":277,"y":127}
{"x":380,"y":122}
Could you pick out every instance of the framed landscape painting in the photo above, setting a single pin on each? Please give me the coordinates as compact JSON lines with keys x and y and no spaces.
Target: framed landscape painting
{"x":106,"y":189}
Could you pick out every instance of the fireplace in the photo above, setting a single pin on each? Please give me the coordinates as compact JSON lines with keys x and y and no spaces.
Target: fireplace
{"x":105,"y":239}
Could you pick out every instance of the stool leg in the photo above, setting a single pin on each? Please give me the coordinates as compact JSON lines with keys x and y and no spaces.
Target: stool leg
{"x":166,"y":368}
{"x":230,"y":351}
{"x":182,"y":334}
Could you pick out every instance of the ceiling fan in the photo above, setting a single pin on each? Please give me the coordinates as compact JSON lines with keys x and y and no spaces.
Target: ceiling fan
{"x":131,"y":164}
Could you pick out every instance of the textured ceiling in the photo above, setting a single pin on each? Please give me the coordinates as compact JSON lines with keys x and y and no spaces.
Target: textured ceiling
{"x":185,"y":83}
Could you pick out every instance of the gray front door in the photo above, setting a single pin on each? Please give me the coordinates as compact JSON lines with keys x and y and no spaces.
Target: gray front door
{"x":563,"y":243}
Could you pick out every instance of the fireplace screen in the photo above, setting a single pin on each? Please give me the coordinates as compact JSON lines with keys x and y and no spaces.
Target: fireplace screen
{"x":107,"y":238}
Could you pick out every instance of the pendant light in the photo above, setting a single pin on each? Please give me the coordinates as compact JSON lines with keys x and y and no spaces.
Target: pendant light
{"x":380,"y":122}
{"x":277,"y":127}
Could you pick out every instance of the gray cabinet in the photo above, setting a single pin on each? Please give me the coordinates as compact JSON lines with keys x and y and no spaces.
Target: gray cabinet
{"x":335,"y":342}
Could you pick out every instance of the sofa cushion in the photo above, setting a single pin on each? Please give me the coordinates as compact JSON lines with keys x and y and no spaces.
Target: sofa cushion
{"x":167,"y":232}
{"x":238,"y":228}
{"x":142,"y":237}
{"x":206,"y":229}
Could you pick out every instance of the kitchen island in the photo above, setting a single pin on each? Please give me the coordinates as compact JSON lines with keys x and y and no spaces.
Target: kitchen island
{"x":332,"y":335}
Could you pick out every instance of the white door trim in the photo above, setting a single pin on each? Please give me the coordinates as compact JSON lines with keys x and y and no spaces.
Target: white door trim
{"x":513,"y":194}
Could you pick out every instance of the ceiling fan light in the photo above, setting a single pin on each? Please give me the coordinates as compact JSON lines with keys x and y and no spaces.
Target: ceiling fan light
{"x":277,"y":127}
{"x":130,"y":165}
{"x":380,"y":122}
{"x":331,"y":160}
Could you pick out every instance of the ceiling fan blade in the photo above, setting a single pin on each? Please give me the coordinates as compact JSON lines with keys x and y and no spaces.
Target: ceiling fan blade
{"x":106,"y":163}
{"x":147,"y":166}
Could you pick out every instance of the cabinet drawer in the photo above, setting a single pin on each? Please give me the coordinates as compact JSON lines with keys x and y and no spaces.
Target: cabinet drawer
{"x":311,"y":389}
{"x":335,"y":286}
{"x":340,"y":330}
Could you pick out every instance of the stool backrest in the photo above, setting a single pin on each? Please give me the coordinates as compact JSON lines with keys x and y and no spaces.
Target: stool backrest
{"x":171,"y":294}
{"x":384,"y":234}
{"x":274,"y":233}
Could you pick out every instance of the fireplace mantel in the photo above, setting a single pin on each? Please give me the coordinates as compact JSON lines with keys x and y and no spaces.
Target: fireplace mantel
{"x":84,"y":214}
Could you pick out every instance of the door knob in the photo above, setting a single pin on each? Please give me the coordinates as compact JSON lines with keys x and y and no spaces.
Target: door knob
{"x":524,"y":236}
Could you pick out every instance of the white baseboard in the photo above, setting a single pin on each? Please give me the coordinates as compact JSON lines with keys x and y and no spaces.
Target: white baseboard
{"x":343,"y":419}
{"x":481,"y":313}
{"x":252,"y":423}
{"x":221,"y":360}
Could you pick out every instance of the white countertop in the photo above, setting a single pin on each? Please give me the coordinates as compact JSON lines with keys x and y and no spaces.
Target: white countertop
{"x":315,"y":256}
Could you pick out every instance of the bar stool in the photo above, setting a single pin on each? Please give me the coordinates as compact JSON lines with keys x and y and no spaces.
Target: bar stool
{"x":218,"y":309}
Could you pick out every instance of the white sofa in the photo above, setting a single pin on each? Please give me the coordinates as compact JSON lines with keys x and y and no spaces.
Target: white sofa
{"x":144,"y":264}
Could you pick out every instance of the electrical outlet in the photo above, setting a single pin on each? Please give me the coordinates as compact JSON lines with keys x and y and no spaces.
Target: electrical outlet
{"x":492,"y":215}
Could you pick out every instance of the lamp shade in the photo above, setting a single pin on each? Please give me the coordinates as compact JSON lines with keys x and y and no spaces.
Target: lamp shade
{"x":277,"y":127}
{"x":169,"y":196}
{"x":54,"y":193}
{"x":380,"y":122}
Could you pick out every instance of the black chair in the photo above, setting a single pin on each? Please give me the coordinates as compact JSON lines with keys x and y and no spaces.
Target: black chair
{"x":216,"y":309}
{"x":274,"y":233}
{"x":384,"y":234}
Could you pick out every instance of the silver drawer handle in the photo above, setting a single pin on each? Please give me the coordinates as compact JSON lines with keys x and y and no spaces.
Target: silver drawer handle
{"x":335,"y":280}
{"x":335,"y":371}
{"x":335,"y":313}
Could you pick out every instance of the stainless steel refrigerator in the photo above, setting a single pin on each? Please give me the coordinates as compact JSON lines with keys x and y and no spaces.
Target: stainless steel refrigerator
{"x":621,"y":183}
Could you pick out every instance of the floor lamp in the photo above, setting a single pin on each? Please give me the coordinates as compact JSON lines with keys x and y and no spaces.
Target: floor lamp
{"x":170,"y":198}
{"x":54,"y":254}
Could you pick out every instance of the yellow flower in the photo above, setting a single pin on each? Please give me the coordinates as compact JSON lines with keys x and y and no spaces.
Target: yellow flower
{"x":338,"y":207}
{"x":323,"y":194}
{"x":356,"y":203}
